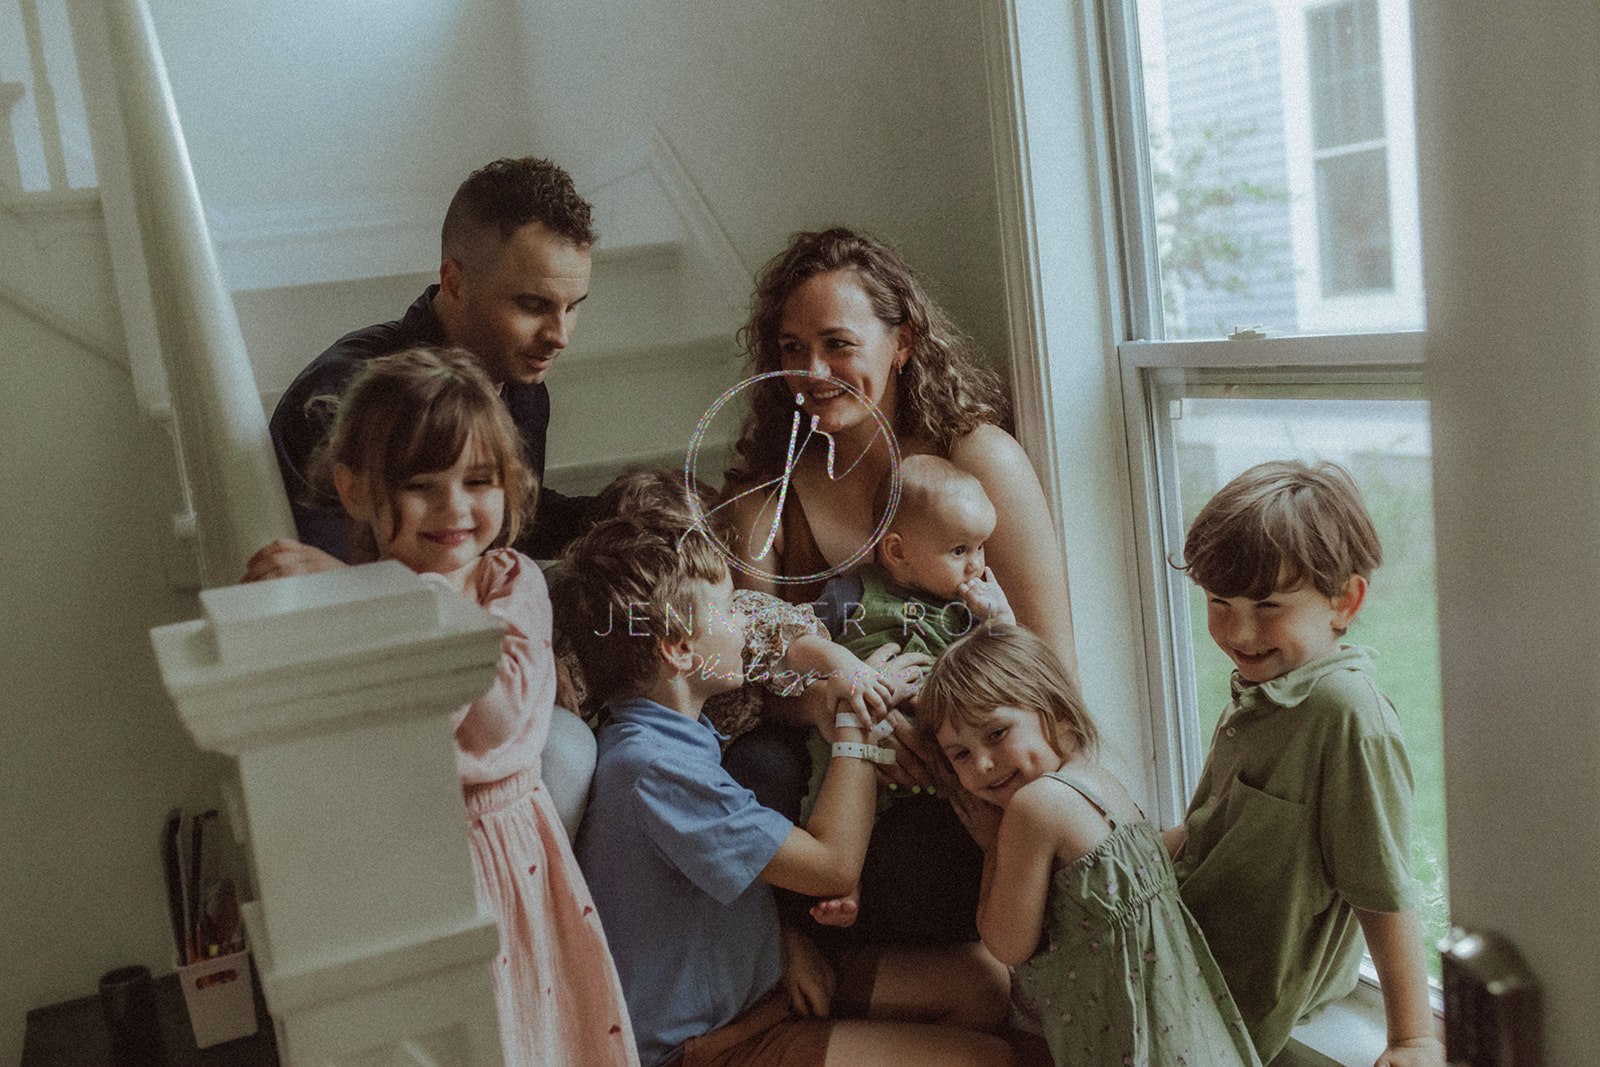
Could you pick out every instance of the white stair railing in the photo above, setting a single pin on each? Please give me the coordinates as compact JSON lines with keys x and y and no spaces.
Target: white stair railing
{"x":233,"y":478}
{"x":333,"y":692}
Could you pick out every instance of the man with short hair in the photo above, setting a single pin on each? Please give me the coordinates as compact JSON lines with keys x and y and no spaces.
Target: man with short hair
{"x":514,"y":266}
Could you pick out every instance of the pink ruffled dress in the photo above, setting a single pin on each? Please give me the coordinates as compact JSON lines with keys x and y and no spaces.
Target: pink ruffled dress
{"x":555,"y":985}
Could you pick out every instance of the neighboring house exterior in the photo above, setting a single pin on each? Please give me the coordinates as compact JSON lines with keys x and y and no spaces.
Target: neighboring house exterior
{"x":1299,"y":112}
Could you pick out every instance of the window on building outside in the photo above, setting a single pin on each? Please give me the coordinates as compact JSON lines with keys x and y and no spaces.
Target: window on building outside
{"x":1271,"y":146}
{"x":1345,"y":69}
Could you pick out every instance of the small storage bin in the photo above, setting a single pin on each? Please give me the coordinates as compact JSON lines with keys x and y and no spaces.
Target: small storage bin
{"x":221,"y":997}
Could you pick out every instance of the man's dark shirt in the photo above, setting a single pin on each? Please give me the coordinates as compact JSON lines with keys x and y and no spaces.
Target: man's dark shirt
{"x":297,"y":433}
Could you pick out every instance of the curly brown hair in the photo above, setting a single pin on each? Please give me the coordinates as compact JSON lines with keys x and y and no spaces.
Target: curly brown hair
{"x":942,"y":392}
{"x":500,"y":198}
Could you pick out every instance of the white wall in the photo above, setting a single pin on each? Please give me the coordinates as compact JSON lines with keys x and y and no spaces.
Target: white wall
{"x":792,"y":116}
{"x":301,"y":119}
{"x":1511,"y":229}
{"x":93,"y":755}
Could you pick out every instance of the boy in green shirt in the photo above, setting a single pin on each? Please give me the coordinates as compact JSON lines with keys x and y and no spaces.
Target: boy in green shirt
{"x":1296,"y":842}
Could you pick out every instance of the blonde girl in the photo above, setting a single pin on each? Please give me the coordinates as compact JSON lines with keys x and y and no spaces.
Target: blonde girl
{"x":1078,"y":892}
{"x":427,"y":463}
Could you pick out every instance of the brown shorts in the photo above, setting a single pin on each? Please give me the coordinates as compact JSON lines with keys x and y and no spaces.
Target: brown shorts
{"x":769,"y":1034}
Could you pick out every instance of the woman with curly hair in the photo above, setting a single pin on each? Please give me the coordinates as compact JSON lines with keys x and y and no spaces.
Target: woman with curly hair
{"x":845,"y":320}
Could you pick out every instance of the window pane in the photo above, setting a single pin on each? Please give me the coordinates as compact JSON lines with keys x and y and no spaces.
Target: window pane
{"x":1353,"y":223}
{"x":1283,"y":165}
{"x":1386,"y":446}
{"x":1345,"y":69}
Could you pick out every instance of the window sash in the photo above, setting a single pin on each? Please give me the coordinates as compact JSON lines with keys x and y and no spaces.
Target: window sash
{"x":1379,"y":366}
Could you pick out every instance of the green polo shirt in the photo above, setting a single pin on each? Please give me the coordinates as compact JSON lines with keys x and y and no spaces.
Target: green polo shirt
{"x":1303,"y":813}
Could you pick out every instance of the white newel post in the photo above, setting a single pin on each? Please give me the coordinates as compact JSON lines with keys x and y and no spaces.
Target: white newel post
{"x":334,"y":693}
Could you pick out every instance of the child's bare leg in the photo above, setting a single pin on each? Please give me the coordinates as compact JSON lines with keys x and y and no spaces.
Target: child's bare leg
{"x":838,"y":911}
{"x":958,"y":985}
{"x":866,"y":1043}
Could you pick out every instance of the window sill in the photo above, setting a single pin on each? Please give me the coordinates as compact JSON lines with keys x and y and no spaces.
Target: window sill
{"x":1349,"y":1033}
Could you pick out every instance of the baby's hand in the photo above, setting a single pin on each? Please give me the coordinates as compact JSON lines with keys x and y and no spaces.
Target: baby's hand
{"x":283,"y":557}
{"x":985,"y":599}
{"x":1417,"y":1052}
{"x":904,"y":670}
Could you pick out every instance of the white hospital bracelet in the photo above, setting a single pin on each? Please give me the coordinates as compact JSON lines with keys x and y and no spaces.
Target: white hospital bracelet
{"x":876,"y":731}
{"x":857,"y":750}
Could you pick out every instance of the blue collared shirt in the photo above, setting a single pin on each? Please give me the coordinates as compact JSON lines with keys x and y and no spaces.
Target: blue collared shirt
{"x":671,"y":847}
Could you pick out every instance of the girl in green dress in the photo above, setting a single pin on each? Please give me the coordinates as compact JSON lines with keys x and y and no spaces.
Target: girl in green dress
{"x":1078,"y":892}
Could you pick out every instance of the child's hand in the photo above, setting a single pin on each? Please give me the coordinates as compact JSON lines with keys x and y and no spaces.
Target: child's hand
{"x":566,"y":690}
{"x":1417,"y":1052}
{"x":283,"y":557}
{"x":807,"y":977}
{"x":985,"y":599}
{"x":838,"y":911}
{"x":904,"y":670}
{"x":861,"y":690}
{"x":1175,"y":837}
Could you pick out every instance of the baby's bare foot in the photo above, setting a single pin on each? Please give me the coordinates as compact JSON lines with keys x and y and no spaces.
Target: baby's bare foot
{"x":840,"y":911}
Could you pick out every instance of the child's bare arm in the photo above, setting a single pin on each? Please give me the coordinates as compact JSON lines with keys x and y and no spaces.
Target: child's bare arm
{"x":1395,"y":942}
{"x":1016,"y":879}
{"x":845,"y":678}
{"x":824,"y":859}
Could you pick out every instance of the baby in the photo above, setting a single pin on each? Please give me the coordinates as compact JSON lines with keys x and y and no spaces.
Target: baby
{"x":928,"y":584}
{"x":927,"y":587}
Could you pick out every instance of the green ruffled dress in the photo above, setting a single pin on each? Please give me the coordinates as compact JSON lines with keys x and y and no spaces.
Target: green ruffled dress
{"x":1123,"y":977}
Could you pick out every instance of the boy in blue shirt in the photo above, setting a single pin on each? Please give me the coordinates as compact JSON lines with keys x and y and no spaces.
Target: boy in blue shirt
{"x":680,"y":859}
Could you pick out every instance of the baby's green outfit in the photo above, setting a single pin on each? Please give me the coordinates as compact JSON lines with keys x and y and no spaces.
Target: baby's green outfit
{"x":1124,"y":975}
{"x":1302,"y":814}
{"x":863,"y":612}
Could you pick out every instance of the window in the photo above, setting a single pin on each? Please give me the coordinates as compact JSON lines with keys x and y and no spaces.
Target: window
{"x":1275,"y":185}
{"x":44,"y":131}
{"x":1348,"y":152}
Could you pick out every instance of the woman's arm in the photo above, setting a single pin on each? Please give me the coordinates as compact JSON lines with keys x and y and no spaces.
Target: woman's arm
{"x":1024,"y":551}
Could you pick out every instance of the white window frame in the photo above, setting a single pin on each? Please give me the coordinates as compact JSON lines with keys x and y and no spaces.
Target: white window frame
{"x":1348,"y":362}
{"x":1402,"y":304}
{"x":1063,"y":142}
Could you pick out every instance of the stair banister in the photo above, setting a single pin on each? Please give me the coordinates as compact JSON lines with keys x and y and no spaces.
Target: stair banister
{"x":229,"y":466}
{"x":333,"y":693}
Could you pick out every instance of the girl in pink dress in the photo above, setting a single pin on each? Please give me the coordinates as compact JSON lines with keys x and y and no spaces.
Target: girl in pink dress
{"x":426,"y":460}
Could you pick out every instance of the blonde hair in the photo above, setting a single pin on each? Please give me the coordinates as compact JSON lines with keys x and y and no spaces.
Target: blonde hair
{"x":626,"y":585}
{"x":1000,"y":665}
{"x":1279,"y":524}
{"x":943,"y":393}
{"x":414,"y":413}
